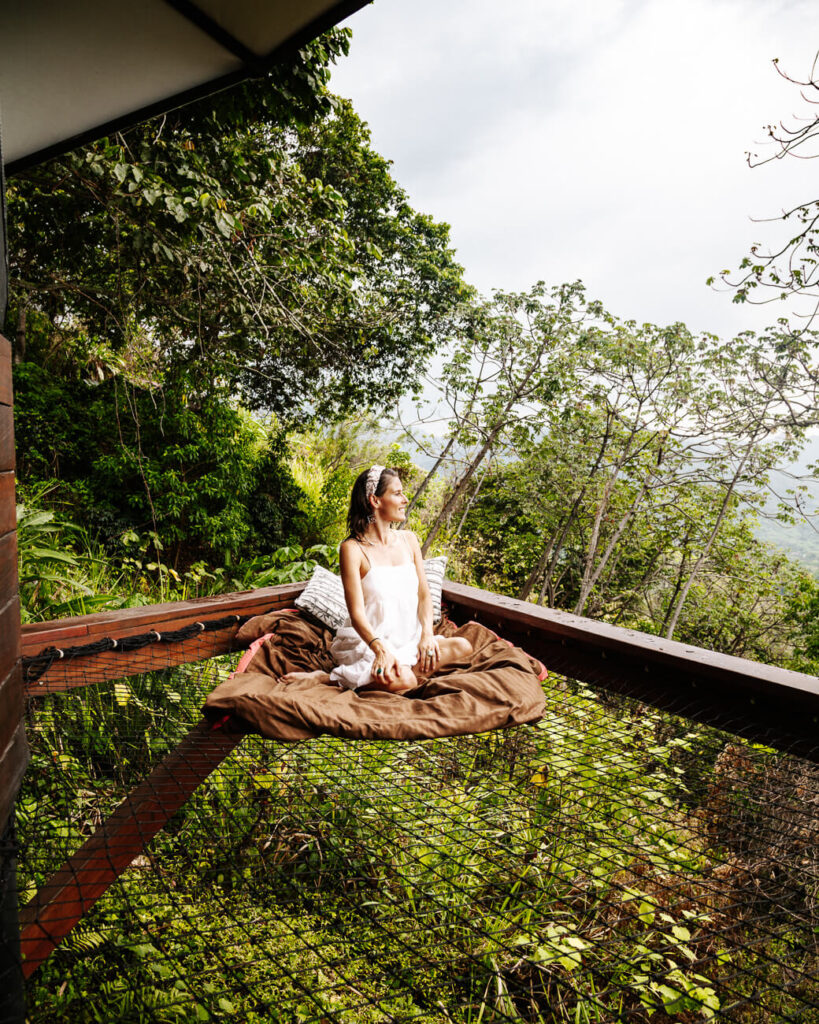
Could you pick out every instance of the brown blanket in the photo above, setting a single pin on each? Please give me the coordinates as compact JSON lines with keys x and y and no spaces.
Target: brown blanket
{"x":499,"y":687}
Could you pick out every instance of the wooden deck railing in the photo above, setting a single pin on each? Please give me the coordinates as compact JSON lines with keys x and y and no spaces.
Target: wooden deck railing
{"x":755,"y":700}
{"x":758,"y":701}
{"x":127,"y":622}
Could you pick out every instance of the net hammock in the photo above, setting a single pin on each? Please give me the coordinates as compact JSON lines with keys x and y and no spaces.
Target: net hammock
{"x":611,"y":863}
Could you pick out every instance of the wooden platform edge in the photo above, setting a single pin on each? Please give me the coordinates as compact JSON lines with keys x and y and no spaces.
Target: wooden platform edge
{"x":767,"y":704}
{"x":131,"y":622}
{"x":168,"y":615}
{"x":13,"y":763}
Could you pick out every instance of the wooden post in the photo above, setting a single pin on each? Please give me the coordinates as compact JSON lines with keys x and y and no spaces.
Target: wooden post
{"x":13,"y":746}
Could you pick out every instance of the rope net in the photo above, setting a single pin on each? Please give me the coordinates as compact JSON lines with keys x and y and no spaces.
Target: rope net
{"x":612,"y":863}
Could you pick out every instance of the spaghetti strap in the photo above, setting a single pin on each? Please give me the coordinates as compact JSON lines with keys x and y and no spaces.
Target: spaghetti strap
{"x":407,"y":547}
{"x":364,"y":553}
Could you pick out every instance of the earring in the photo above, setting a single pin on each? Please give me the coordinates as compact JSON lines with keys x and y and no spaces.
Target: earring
{"x":370,"y":518}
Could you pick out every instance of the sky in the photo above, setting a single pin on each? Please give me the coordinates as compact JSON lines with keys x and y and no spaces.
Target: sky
{"x":603,"y":140}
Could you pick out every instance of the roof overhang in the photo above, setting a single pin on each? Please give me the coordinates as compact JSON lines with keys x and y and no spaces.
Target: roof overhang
{"x":75,"y":70}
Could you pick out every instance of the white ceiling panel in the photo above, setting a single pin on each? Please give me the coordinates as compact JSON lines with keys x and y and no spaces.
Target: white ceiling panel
{"x":71,"y":70}
{"x":250,"y":21}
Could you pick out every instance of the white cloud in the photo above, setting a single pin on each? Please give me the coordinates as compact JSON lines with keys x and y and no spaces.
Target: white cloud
{"x":601,"y":139}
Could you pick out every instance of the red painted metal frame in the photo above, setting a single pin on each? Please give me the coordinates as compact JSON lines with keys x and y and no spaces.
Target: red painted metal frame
{"x":78,"y":884}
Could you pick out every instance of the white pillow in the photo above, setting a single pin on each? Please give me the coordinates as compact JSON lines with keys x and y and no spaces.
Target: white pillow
{"x":323,"y":597}
{"x":434,"y":570}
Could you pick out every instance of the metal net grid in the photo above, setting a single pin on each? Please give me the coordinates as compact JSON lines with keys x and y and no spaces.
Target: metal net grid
{"x":612,"y":863}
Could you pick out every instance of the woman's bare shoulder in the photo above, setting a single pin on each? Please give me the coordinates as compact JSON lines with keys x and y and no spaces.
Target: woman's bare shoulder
{"x":412,"y":540}
{"x":349,"y":557}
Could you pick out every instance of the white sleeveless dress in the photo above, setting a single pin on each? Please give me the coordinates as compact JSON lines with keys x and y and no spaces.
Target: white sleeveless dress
{"x":391,"y":606}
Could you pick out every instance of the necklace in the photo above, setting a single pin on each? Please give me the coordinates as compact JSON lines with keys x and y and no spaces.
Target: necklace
{"x":378,"y":543}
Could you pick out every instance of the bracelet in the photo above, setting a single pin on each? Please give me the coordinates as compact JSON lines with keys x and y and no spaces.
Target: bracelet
{"x":371,"y":642}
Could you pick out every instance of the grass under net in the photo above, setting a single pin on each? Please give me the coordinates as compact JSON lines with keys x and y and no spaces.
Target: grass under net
{"x":612,"y":863}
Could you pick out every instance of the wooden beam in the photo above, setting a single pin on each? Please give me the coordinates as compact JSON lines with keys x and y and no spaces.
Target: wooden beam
{"x":6,"y":437}
{"x":8,"y":507}
{"x":5,"y":376}
{"x":78,"y":884}
{"x":9,"y":634}
{"x":761,"y":702}
{"x":95,"y":668}
{"x":170,"y":615}
{"x":11,"y":703}
{"x":8,"y":571}
{"x":13,"y":763}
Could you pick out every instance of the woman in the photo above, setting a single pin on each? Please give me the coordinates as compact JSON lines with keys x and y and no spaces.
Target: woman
{"x":387,"y":642}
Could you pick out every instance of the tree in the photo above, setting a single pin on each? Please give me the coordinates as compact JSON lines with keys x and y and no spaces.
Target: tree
{"x":513,"y":356}
{"x":409,"y":289}
{"x":248,"y":252}
{"x":616,"y":455}
{"x":202,"y":477}
{"x":790,"y":269}
{"x":217,"y":239}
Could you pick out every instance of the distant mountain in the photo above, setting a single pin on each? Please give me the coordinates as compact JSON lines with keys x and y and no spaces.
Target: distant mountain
{"x":801,"y":540}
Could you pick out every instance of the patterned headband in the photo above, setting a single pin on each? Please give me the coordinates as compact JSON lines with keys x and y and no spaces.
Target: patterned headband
{"x":373,"y":477}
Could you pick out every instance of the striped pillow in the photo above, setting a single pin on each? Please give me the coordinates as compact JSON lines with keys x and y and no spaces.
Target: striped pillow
{"x":434,"y":569}
{"x":323,"y":597}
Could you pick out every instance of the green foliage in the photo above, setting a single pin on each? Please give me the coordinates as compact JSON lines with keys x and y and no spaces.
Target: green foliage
{"x":249,"y":252}
{"x":58,"y":574}
{"x":617,"y":469}
{"x":235,"y":246}
{"x":751,"y":599}
{"x":200,"y":473}
{"x":64,"y":571}
{"x":801,"y":612}
{"x":325,"y":462}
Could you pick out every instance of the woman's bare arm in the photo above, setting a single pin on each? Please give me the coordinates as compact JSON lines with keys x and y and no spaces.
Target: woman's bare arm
{"x":424,"y":596}
{"x":350,"y":559}
{"x":428,"y":653}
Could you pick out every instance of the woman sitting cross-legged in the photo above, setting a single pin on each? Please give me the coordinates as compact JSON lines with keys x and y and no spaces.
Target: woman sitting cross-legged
{"x":387,"y":642}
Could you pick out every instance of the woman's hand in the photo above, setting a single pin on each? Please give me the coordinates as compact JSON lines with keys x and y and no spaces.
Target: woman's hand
{"x":385,"y":665}
{"x":429,"y":656}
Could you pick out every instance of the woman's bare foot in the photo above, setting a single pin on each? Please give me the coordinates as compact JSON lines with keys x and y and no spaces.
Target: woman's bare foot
{"x":305,"y":677}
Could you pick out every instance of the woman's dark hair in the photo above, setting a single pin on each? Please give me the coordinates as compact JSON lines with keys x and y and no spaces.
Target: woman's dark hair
{"x":360,"y":509}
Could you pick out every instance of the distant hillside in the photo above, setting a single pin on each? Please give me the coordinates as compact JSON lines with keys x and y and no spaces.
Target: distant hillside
{"x":801,"y":541}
